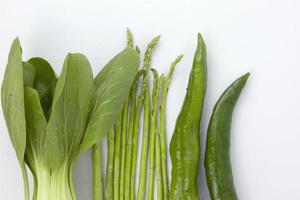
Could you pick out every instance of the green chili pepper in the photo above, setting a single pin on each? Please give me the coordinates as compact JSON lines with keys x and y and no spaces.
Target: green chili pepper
{"x":217,"y":157}
{"x":185,"y":142}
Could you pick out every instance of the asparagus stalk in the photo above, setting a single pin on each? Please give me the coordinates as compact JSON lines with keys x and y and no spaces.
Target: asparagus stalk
{"x":144,"y":151}
{"x":117,"y":158}
{"x":146,"y":122}
{"x":158,"y":164}
{"x":123,"y":155}
{"x":109,"y":187}
{"x":136,"y":139}
{"x":163,"y":127}
{"x":125,"y":132}
{"x":153,"y":126}
{"x":97,"y":172}
{"x":129,"y":146}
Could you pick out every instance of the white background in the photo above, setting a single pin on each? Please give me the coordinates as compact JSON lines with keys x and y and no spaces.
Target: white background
{"x":259,"y":36}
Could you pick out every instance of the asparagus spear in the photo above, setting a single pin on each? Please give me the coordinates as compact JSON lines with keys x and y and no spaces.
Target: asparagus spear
{"x":163,"y":127}
{"x":136,"y":139}
{"x":117,"y":158}
{"x":158,"y":164}
{"x":146,"y":122}
{"x":153,"y":124}
{"x":129,"y":147}
{"x":109,"y":187}
{"x":125,"y":131}
{"x":97,"y":172}
{"x":123,"y":155}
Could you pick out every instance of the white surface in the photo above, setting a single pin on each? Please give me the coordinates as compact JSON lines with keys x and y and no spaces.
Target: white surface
{"x":260,"y":36}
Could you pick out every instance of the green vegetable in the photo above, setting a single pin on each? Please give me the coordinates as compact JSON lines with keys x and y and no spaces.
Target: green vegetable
{"x":123,"y":153}
{"x":117,"y":158}
{"x":109,"y":191}
{"x":158,"y":164}
{"x":217,"y":156}
{"x":139,"y":106}
{"x":185,"y":144}
{"x":127,"y":134}
{"x":97,"y":172}
{"x":129,"y":147}
{"x":51,"y":121}
{"x":129,"y":38}
{"x":44,"y":82}
{"x":58,"y":140}
{"x":112,"y":88}
{"x":28,"y":74}
{"x":12,"y":98}
{"x":146,"y":122}
{"x":157,"y":83}
{"x":110,"y":82}
{"x":163,"y":127}
{"x":144,"y":149}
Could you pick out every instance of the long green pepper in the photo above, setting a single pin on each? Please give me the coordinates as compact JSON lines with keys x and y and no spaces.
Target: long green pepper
{"x":217,"y":158}
{"x":185,"y":142}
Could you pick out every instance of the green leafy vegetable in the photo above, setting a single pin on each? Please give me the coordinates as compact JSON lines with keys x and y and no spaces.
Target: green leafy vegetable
{"x":51,"y":120}
{"x":112,"y":88}
{"x":28,"y":74}
{"x":12,"y":98}
{"x":44,"y":83}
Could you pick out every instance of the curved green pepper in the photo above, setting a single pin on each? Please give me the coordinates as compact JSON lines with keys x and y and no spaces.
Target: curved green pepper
{"x":185,"y":142}
{"x":217,"y":156}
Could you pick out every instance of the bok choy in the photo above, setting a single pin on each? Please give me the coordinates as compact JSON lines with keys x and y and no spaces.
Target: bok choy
{"x":51,"y":120}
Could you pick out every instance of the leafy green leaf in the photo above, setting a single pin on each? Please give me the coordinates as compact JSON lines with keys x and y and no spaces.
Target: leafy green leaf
{"x":44,"y":78}
{"x":28,"y":74}
{"x":112,"y":88}
{"x":35,"y":126}
{"x":69,"y":110}
{"x":12,"y":97}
